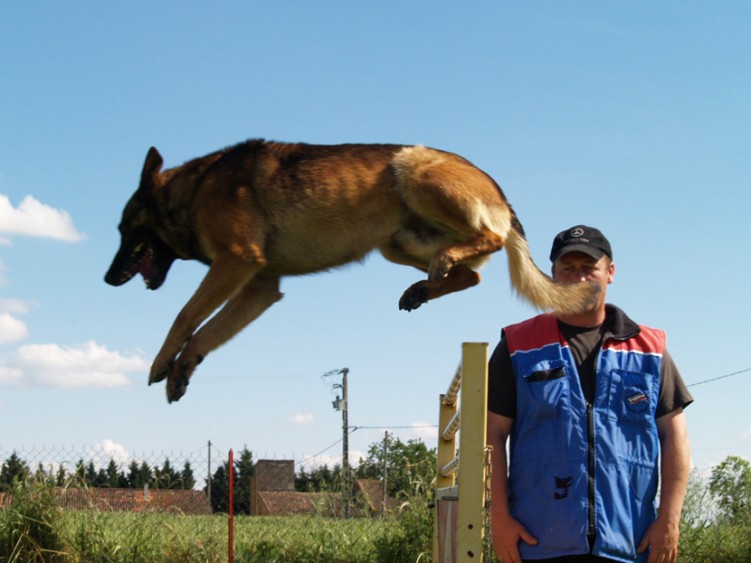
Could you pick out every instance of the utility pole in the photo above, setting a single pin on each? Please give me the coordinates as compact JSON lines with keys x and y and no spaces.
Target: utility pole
{"x":345,"y":447}
{"x":208,"y":480}
{"x":385,"y":472}
{"x":342,"y":405}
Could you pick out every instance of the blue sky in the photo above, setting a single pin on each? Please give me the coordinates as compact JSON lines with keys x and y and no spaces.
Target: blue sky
{"x":633,"y":117}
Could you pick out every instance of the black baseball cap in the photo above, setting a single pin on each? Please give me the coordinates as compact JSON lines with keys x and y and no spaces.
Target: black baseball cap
{"x":581,"y":239}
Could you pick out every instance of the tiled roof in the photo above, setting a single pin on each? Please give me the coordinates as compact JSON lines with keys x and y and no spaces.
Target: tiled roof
{"x":372,"y":492}
{"x":135,"y":500}
{"x":285,"y":503}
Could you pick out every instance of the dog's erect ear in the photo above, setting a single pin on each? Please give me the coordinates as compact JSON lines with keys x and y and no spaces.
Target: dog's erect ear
{"x":151,"y":167}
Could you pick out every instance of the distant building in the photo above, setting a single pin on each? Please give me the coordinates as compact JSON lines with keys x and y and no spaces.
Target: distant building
{"x":272,"y":493}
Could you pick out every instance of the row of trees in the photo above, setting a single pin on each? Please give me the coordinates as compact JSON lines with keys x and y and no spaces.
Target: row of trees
{"x":87,"y":475}
{"x":407,"y":468}
{"x":405,"y":465}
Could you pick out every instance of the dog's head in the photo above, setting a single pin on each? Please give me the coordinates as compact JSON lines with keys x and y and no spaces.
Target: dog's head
{"x":142,"y":250}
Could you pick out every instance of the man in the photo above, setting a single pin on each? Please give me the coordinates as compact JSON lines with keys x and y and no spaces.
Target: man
{"x":592,"y":404}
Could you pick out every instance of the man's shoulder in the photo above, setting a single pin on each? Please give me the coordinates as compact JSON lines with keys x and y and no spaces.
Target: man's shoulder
{"x":538,"y":320}
{"x":531,"y":333}
{"x":619,"y":324}
{"x":620,"y":327}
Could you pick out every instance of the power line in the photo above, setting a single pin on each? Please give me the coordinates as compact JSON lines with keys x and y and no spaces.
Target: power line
{"x":720,"y":377}
{"x":327,"y":448}
{"x":411,"y":426}
{"x":352,"y":429}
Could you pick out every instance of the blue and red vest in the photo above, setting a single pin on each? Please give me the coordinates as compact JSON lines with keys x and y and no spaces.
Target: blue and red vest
{"x":579,"y":471}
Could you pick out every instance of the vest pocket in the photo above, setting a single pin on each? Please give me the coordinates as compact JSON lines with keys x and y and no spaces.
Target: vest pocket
{"x":547,"y":497}
{"x":548,"y":387}
{"x":547,"y":374}
{"x":632,"y":398}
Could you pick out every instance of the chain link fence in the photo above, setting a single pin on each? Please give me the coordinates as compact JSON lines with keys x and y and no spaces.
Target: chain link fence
{"x":103,"y":487}
{"x":107,"y":464}
{"x":106,"y":477}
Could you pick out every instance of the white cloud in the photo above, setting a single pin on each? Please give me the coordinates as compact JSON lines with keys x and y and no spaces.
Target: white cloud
{"x":35,"y":219}
{"x":321,"y":460}
{"x":355,"y":456}
{"x":10,"y":375}
{"x":11,"y":329}
{"x":13,"y":306}
{"x":302,"y":419}
{"x":424,"y":431}
{"x":85,"y":365}
{"x":107,"y":450}
{"x":317,"y":461}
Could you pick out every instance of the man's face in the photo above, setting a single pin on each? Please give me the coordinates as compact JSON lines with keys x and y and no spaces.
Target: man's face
{"x":577,"y":267}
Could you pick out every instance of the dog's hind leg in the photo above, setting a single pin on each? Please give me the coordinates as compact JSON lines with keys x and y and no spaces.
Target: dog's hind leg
{"x":257,"y":296}
{"x":476,"y":250}
{"x":459,"y":278}
{"x":449,"y":269}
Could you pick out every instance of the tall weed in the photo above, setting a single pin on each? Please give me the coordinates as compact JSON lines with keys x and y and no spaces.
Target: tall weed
{"x":29,"y":528}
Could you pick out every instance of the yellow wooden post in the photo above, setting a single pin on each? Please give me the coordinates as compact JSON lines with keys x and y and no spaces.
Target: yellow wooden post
{"x":470,"y":529}
{"x":463,"y":517}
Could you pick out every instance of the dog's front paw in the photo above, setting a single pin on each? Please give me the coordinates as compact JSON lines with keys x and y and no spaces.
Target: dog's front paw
{"x":179,"y":377}
{"x":415,"y":296}
{"x":176,"y":387}
{"x":160,"y":370}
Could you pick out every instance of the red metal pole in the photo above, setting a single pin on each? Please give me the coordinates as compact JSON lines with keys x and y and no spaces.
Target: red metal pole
{"x":231,"y":505}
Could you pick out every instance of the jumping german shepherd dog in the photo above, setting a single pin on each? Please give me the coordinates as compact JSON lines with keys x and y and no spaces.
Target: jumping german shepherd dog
{"x":261,"y":210}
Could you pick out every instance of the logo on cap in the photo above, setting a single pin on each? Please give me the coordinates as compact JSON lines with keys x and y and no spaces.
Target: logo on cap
{"x":577,"y":232}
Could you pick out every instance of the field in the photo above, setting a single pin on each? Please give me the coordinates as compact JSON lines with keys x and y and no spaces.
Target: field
{"x":113,"y":537}
{"x":34,"y":529}
{"x":156,"y":538}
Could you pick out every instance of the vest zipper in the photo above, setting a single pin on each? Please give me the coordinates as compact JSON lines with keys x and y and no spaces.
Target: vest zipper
{"x":591,"y":469}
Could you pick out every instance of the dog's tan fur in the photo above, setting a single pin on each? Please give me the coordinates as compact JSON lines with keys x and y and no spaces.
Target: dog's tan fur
{"x":261,"y":210}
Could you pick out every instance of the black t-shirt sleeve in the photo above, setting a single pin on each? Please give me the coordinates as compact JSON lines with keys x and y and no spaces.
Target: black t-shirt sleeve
{"x":501,"y":382}
{"x":673,"y":391}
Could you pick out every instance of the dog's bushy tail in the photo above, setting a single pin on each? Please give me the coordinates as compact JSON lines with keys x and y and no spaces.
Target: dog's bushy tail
{"x":537,"y":287}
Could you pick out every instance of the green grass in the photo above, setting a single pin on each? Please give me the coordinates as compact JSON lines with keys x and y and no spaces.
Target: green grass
{"x":35,"y":528}
{"x":121,"y":537}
